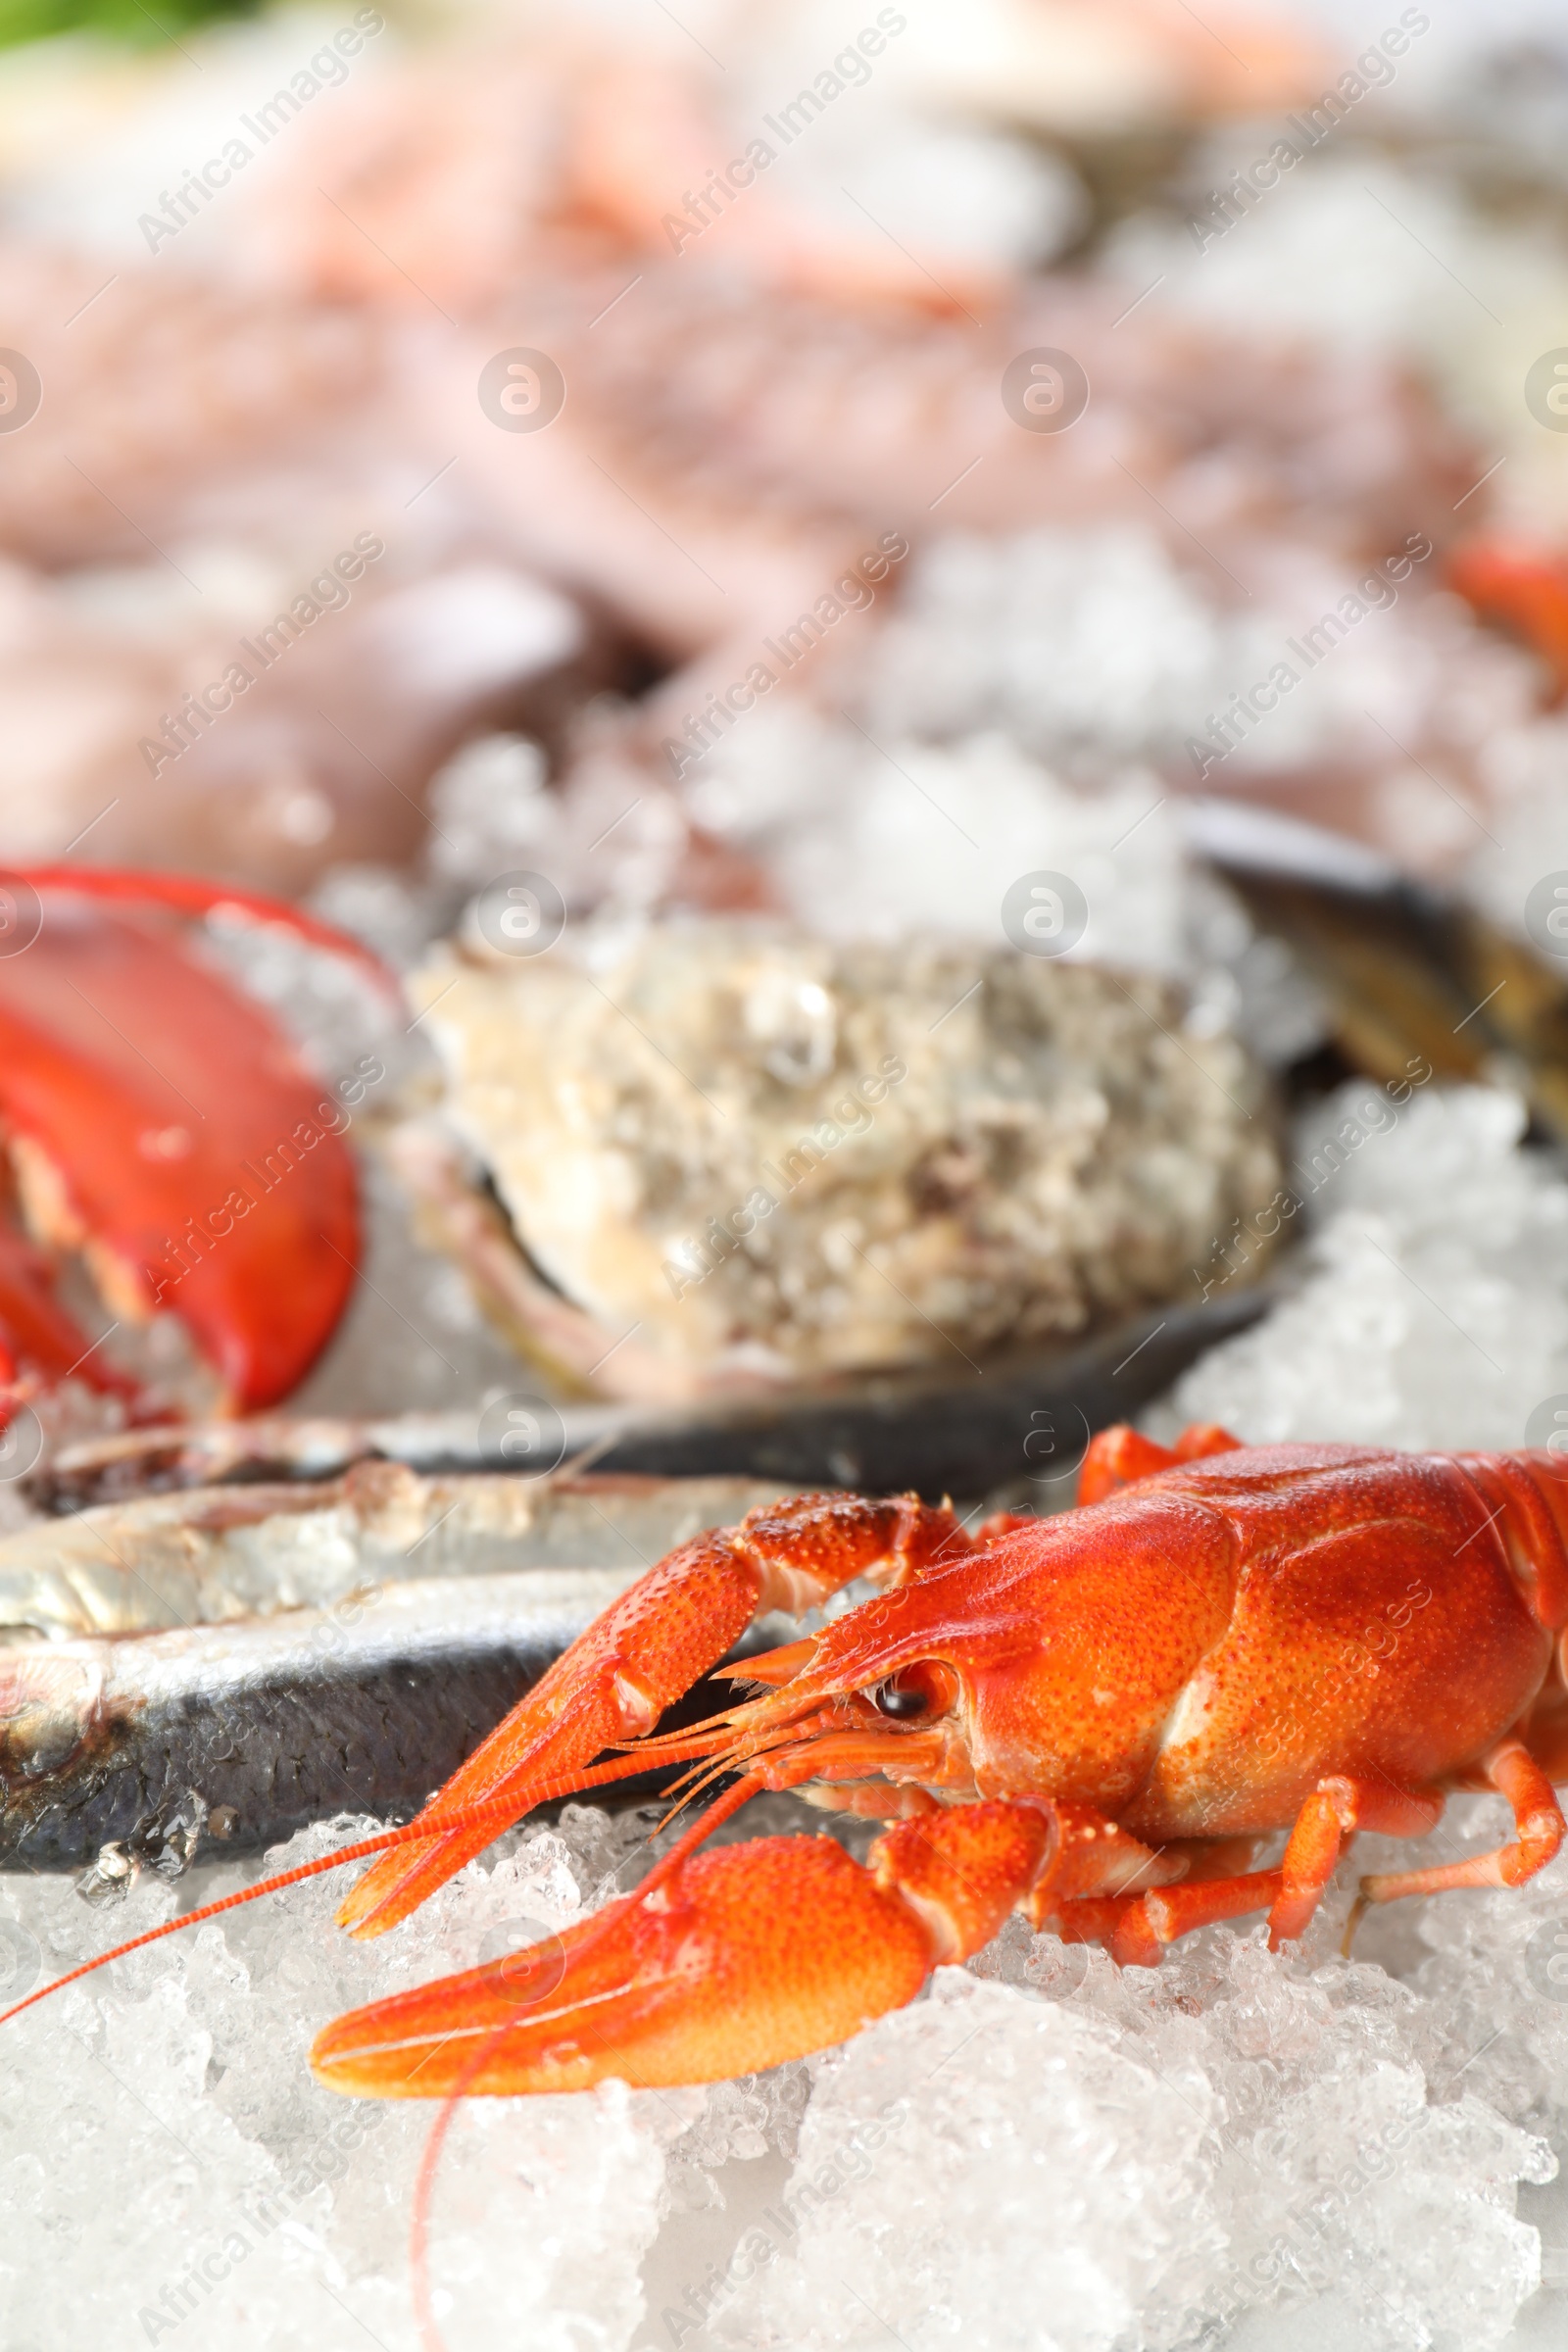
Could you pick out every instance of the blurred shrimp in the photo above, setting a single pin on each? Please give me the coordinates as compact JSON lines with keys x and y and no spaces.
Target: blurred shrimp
{"x":443,"y":184}
{"x":428,"y":190}
{"x":1082,"y":66}
{"x":650,"y":159}
{"x":468,"y":165}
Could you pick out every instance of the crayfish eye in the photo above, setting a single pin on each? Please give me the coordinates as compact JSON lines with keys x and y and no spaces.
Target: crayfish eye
{"x":915,"y":1692}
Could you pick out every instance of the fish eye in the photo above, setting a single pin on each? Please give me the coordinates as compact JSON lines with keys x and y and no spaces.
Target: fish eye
{"x":920,"y":1691}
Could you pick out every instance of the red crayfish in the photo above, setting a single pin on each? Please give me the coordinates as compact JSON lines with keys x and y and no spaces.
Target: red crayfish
{"x":1091,"y":1719}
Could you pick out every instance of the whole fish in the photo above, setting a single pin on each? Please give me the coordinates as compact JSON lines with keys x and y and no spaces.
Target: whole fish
{"x":228,"y":1737}
{"x":210,"y":1556}
{"x":935,"y":1433}
{"x":225,"y":1665}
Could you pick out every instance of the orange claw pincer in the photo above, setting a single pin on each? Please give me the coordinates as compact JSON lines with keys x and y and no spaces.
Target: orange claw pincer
{"x":157,"y":1120}
{"x":736,"y":1961}
{"x":1094,"y":1719}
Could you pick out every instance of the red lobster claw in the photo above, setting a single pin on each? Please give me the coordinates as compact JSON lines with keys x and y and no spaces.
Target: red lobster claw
{"x":39,"y":1342}
{"x":159,"y":1121}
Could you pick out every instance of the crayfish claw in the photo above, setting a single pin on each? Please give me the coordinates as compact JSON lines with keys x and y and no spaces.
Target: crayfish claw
{"x":737,"y":1960}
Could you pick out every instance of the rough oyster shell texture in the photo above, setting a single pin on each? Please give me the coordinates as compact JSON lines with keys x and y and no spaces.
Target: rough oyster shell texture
{"x":773,"y":1157}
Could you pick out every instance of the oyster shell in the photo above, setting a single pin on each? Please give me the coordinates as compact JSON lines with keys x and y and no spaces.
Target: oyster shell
{"x":747,"y":1155}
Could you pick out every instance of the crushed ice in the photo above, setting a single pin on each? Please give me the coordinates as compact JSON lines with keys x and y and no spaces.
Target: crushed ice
{"x":1238,"y":2149}
{"x":1432,"y":1306}
{"x":1046,"y":2153}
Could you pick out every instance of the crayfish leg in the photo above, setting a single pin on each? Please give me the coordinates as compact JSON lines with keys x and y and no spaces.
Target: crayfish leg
{"x":870,"y":1800}
{"x":1134,"y":1928}
{"x":740,"y":1959}
{"x":1337,"y":1808}
{"x":1099,"y":1860}
{"x":1103,"y":1887}
{"x":1121,"y":1455}
{"x":1538,"y":1818}
{"x":646,"y":1650}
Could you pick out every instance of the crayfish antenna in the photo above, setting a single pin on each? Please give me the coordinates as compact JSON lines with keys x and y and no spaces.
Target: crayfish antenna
{"x":494,"y":1813}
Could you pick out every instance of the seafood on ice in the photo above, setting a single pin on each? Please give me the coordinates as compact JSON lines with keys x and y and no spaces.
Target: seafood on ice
{"x":743,"y":417}
{"x":1092,"y":1718}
